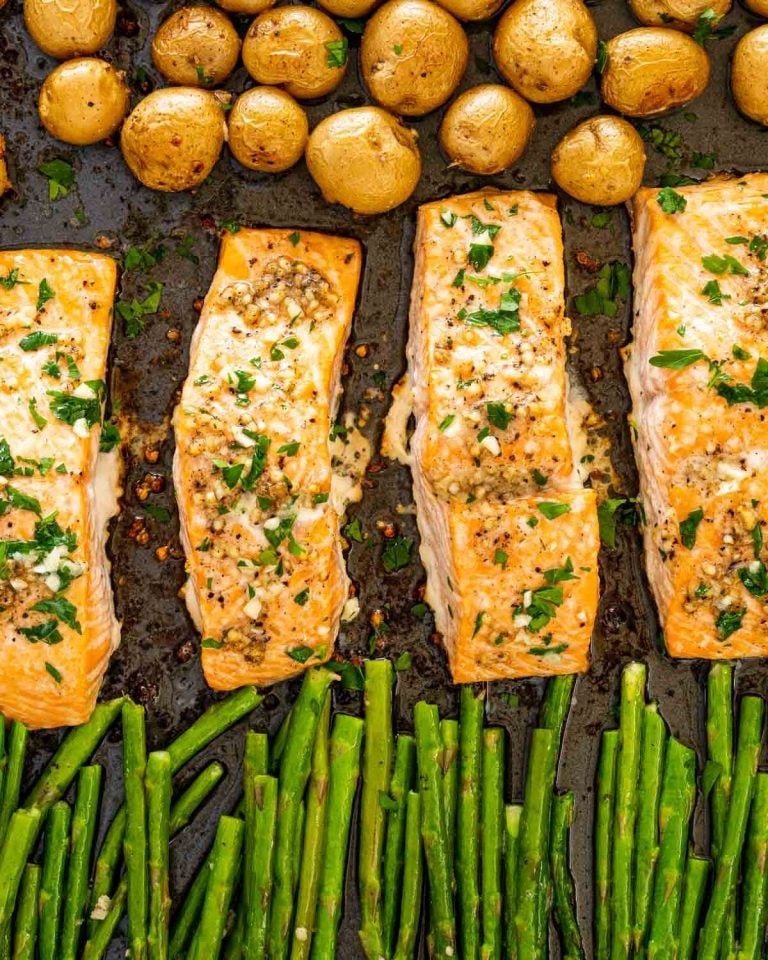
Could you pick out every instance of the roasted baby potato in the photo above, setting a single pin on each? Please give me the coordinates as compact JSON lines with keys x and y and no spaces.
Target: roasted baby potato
{"x":601,"y":161}
{"x":486,"y":128}
{"x":196,"y":46}
{"x":5,"y":180}
{"x":297,"y":48}
{"x":682,"y":14}
{"x":651,"y":70}
{"x":70,"y":28}
{"x":173,"y":138}
{"x":749,"y":74}
{"x":248,"y":7}
{"x":365,"y":159}
{"x":83,"y":101}
{"x":546,"y":49}
{"x":268,"y":130}
{"x":348,"y":8}
{"x":760,"y":7}
{"x":413,"y":56}
{"x":472,"y":10}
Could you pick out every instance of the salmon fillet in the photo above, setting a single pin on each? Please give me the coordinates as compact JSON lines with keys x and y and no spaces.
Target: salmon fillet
{"x":698,"y":376}
{"x":253,"y":470}
{"x":57,"y":622}
{"x":509,"y":535}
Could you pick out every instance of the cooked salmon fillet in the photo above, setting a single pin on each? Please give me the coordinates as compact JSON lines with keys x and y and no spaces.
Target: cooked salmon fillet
{"x":253,"y":470}
{"x":57,"y":623}
{"x":509,"y":536}
{"x":698,"y":375}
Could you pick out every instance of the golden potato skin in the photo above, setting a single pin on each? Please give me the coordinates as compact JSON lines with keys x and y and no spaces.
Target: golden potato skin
{"x":196,"y":47}
{"x":249,"y":7}
{"x":173,"y":138}
{"x":546,"y":49}
{"x":472,"y":10}
{"x":287,"y":47}
{"x":749,"y":74}
{"x":681,"y":14}
{"x":651,"y":70}
{"x":348,"y":8}
{"x":413,"y":56}
{"x":365,"y":159}
{"x":760,"y":7}
{"x":70,"y":28}
{"x":601,"y":161}
{"x":268,"y":130}
{"x":83,"y":101}
{"x":486,"y":129}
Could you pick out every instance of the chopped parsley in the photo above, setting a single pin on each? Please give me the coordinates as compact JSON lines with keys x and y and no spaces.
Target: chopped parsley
{"x":689,"y":526}
{"x":232,"y":226}
{"x":44,"y":293}
{"x":302,"y":597}
{"x":602,"y":299}
{"x":677,"y":359}
{"x":353,"y":531}
{"x":707,"y":28}
{"x":711,"y":290}
{"x":723,"y":265}
{"x":40,"y":421}
{"x":61,"y":177}
{"x":498,"y":415}
{"x":612,"y":511}
{"x":300,"y":654}
{"x":403,"y":662}
{"x":553,"y":510}
{"x":666,"y":142}
{"x":729,"y":621}
{"x":53,"y":672}
{"x":38,"y":340}
{"x":397,"y":553}
{"x":671,"y":201}
{"x":602,"y":56}
{"x":504,"y":320}
{"x":337,"y":52}
{"x":446,"y":422}
{"x":133,"y":313}
{"x":143,"y":258}
{"x":448,"y":218}
{"x":11,"y":279}
{"x":500,"y":558}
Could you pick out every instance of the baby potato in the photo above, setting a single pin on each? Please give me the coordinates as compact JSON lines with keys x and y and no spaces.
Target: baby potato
{"x":83,"y":101}
{"x":196,"y":47}
{"x":601,"y":161}
{"x":297,"y":48}
{"x":486,"y":128}
{"x":472,"y":10}
{"x":70,"y":28}
{"x":651,"y":70}
{"x":682,"y":14}
{"x":413,"y":56}
{"x":760,"y":7}
{"x":546,"y":49}
{"x":749,"y":74}
{"x":173,"y":138}
{"x":365,"y":159}
{"x":249,"y":7}
{"x":268,"y":130}
{"x":348,"y":8}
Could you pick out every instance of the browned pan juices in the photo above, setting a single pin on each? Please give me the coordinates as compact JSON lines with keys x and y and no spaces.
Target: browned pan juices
{"x":158,"y":661}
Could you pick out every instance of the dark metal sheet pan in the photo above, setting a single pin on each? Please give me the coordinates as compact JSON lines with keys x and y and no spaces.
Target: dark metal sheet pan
{"x":157,"y":662}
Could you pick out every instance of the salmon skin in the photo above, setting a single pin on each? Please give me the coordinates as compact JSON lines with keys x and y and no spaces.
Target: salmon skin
{"x":57,"y":622}
{"x":253,"y":470}
{"x":509,"y":534}
{"x":698,"y":374}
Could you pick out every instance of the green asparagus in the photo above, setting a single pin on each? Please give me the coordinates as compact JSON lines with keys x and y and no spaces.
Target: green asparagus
{"x":377,"y":771}
{"x":314,"y":840}
{"x":85,"y":820}
{"x":720,"y":746}
{"x":557,"y":701}
{"x":412,"y":881}
{"x":294,"y":774}
{"x":512,"y":814}
{"x":449,"y":731}
{"x":195,"y":796}
{"x":429,"y":751}
{"x":260,"y":830}
{"x":471,"y":714}
{"x":394,"y":845}
{"x":564,"y":893}
{"x":226,"y":854}
{"x":158,"y":789}
{"x":25,"y":937}
{"x":54,"y":874}
{"x":678,"y":795}
{"x":654,"y":736}
{"x":694,"y":888}
{"x":15,"y":850}
{"x":346,"y":741}
{"x":606,"y":792}
{"x":492,"y":833}
{"x":14,"y":771}
{"x":755,"y":882}
{"x":135,"y":843}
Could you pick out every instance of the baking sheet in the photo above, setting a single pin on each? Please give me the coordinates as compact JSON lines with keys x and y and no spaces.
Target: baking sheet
{"x":158,"y":663}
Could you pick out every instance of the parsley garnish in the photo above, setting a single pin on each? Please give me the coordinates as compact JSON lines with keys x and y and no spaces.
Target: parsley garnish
{"x":498,"y":415}
{"x":671,"y":201}
{"x":397,"y":553}
{"x":53,"y":672}
{"x":132,"y":314}
{"x":723,"y":265}
{"x":337,"y":52}
{"x":729,"y":621}
{"x":602,"y":299}
{"x":68,"y":408}
{"x":553,"y":510}
{"x":143,"y":258}
{"x":11,"y":279}
{"x":300,"y":654}
{"x":44,"y":294}
{"x":37,"y":340}
{"x":689,"y":526}
{"x":711,"y":290}
{"x":231,"y":225}
{"x":677,"y":359}
{"x":61,"y":177}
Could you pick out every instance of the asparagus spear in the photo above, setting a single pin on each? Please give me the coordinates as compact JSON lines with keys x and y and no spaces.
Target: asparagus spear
{"x":720,"y":746}
{"x":429,"y":749}
{"x":755,"y":883}
{"x":471,"y":713}
{"x":412,"y":881}
{"x":15,"y":850}
{"x":678,"y":794}
{"x":255,"y":763}
{"x":85,"y":820}
{"x":278,"y":744}
{"x":17,"y":750}
{"x":377,"y":771}
{"x":25,"y":937}
{"x":75,"y":749}
{"x":449,"y":731}
{"x":314,"y":839}
{"x":256,"y":759}
{"x":54,"y":871}
{"x":606,"y":792}
{"x":3,"y":757}
{"x":647,"y":831}
{"x":294,"y":773}
{"x":298,"y":845}
{"x":135,"y":844}
{"x":181,"y":813}
{"x":631,"y":712}
{"x":260,"y":829}
{"x":185,"y":922}
{"x":158,"y":788}
{"x":493,"y":840}
{"x":726,"y":872}
{"x":346,"y":740}
{"x":565,"y":895}
{"x":512,"y":814}
{"x":530,"y":920}
{"x":694,"y":888}
{"x":557,"y":701}
{"x":218,"y":894}
{"x":234,"y":945}
{"x":211,"y":724}
{"x":394,"y":845}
